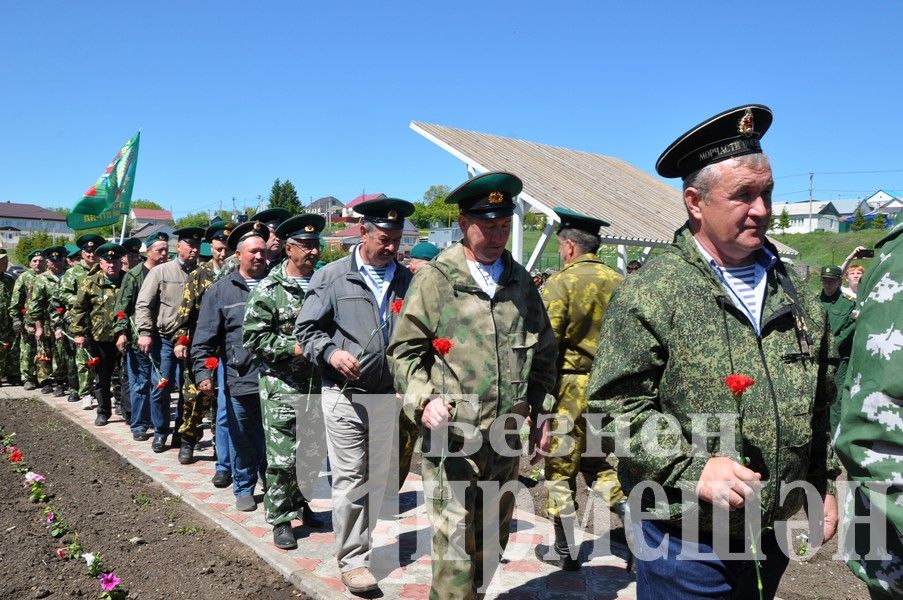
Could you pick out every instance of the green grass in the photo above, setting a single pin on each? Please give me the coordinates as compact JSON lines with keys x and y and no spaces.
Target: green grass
{"x":821,"y":248}
{"x":550,"y":259}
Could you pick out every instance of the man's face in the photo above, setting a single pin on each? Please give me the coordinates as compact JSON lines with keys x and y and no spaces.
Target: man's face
{"x":735,"y":214}
{"x":252,"y":260}
{"x":4,"y":264}
{"x":486,"y":238}
{"x":187,"y":251}
{"x":830,"y":285}
{"x":303,"y":254}
{"x":37,"y":264}
{"x":274,"y":244}
{"x":56,"y":266}
{"x":111,"y":268}
{"x":158,"y":253}
{"x":380,"y":246}
{"x":88,"y":257}
{"x":220,"y":250}
{"x":853,"y":276}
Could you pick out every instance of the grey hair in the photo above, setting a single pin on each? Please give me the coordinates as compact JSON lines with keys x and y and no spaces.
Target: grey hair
{"x":369,"y":226}
{"x":584,"y":240}
{"x":704,"y":179}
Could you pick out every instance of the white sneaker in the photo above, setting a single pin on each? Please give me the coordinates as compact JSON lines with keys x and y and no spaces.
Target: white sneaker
{"x":87,"y":402}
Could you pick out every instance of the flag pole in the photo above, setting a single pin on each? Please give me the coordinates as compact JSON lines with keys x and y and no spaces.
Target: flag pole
{"x":122,"y":235}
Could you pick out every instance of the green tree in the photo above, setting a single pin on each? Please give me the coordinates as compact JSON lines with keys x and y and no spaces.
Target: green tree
{"x":784,"y":220}
{"x":200,"y":219}
{"x":36,"y":240}
{"x":284,"y":195}
{"x":858,"y":223}
{"x":144,"y":203}
{"x":534,"y":220}
{"x":879,"y":222}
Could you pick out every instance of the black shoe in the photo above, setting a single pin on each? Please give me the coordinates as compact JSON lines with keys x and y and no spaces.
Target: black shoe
{"x":73,"y":397}
{"x":59,"y":391}
{"x":284,"y":537}
{"x":310,"y":518}
{"x":127,"y":417}
{"x":559,"y":558}
{"x":30,"y":385}
{"x":47,"y":389}
{"x":186,"y":453}
{"x":100,"y":420}
{"x":140,"y":437}
{"x":176,"y":440}
{"x":159,"y":444}
{"x":117,"y":409}
{"x":222,"y":479}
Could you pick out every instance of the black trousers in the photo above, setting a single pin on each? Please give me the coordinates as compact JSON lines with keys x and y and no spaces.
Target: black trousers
{"x":110,"y":359}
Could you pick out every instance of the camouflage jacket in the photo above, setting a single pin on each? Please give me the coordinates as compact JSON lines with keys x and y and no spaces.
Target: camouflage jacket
{"x":502,"y":359}
{"x":575,"y":299}
{"x":41,"y":304}
{"x":678,"y":335}
{"x":92,"y":315}
{"x":126,"y":298}
{"x":7,"y":282}
{"x":189,"y":308}
{"x":268,"y":330}
{"x":868,"y":439}
{"x":20,"y":294}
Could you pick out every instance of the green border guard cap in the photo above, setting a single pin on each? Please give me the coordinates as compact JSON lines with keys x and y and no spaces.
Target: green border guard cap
{"x":247,"y":230}
{"x":55,"y":253}
{"x":132,"y":245}
{"x":192,"y":235}
{"x":301,"y":227}
{"x":487,"y":196}
{"x":110,"y":252}
{"x":219,"y":231}
{"x":385,"y":213}
{"x":272,"y":217}
{"x":831,"y":272}
{"x":734,"y":132}
{"x":90,"y":242}
{"x":571,"y":219}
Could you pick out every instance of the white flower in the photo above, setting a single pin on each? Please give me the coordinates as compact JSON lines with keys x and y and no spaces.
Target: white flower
{"x":89,"y":558}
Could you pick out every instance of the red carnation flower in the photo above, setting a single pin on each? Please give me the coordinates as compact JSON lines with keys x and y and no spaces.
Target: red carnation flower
{"x":211,"y":363}
{"x":59,"y":310}
{"x":120,"y":315}
{"x":442,"y":346}
{"x":163,"y":383}
{"x":396,"y":306}
{"x":738,"y":383}
{"x":23,"y":311}
{"x":93,"y":361}
{"x":183,"y":340}
{"x":16,"y":455}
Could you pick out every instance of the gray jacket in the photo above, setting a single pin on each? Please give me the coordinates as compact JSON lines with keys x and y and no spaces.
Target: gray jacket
{"x":340,"y":312}
{"x":218,"y":333}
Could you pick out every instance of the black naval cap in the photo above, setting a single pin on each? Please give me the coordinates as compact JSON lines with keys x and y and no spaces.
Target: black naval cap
{"x":301,"y":227}
{"x":272,"y":217}
{"x":831,"y":272}
{"x":132,"y":245}
{"x":734,"y":132}
{"x":160,"y":236}
{"x":219,"y":231}
{"x":386,"y":213}
{"x":247,"y":230}
{"x":110,"y":252}
{"x":571,"y":219}
{"x":55,"y":252}
{"x":190,"y":234}
{"x":487,"y":196}
{"x":90,"y":242}
{"x":34,"y":253}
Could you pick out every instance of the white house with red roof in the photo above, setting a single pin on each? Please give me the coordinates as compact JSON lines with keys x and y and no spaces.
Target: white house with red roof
{"x":351,"y":235}
{"x":348,"y":209}
{"x":150,"y":216}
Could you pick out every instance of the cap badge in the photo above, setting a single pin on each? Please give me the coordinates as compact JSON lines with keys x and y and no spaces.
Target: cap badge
{"x":228,"y":227}
{"x":90,"y":244}
{"x":745,"y":125}
{"x":309,"y":228}
{"x":257,"y":226}
{"x":393,"y":215}
{"x":496,"y":198}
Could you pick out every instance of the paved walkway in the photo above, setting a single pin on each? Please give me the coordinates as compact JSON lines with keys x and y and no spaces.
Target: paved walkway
{"x":401,"y":560}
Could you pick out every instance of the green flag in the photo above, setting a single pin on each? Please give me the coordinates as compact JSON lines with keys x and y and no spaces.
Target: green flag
{"x":111,"y":194}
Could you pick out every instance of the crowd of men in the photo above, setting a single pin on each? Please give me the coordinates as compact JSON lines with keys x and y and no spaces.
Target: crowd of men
{"x":364,"y":358}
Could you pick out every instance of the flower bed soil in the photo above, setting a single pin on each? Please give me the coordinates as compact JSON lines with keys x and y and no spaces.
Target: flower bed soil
{"x":108,"y":502}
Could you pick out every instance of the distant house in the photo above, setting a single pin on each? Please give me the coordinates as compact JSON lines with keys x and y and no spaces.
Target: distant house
{"x":847,"y":208}
{"x":327,"y":205}
{"x":878,"y":199}
{"x":150,"y":216}
{"x":444,"y":237}
{"x":348,"y":237}
{"x":348,"y":209}
{"x":21,"y":219}
{"x":824,"y":217}
{"x":145,"y":231}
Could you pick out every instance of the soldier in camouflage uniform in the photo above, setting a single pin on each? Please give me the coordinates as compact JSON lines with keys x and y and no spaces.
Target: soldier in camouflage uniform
{"x":575,"y":300}
{"x":137,"y":362}
{"x":197,"y":404}
{"x":839,"y":309}
{"x":68,"y":291}
{"x":7,"y":337}
{"x":717,"y":302}
{"x":27,"y":343}
{"x":500,"y":368}
{"x":868,"y":440}
{"x":92,"y":319}
{"x":40,"y":314}
{"x":289,"y":383}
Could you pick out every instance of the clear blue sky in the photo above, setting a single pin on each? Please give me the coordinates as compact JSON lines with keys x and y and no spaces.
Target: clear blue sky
{"x":231,"y":95}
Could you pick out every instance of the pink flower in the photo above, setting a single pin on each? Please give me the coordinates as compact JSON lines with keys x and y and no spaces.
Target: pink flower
{"x":109,"y":581}
{"x":50,"y":518}
{"x":61,"y":553}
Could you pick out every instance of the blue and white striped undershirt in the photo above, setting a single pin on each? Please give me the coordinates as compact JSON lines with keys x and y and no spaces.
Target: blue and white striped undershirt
{"x":302,"y":282}
{"x":251,"y":283}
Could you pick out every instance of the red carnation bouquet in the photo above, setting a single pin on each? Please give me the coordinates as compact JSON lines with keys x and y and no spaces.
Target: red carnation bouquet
{"x":396,"y":306}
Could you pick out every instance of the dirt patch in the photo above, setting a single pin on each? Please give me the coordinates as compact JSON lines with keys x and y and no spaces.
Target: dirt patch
{"x":108,"y":502}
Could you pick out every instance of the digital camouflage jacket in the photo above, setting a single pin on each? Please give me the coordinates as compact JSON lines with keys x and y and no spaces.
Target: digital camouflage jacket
{"x":69,"y":284}
{"x":20,"y":294}
{"x":41,"y":304}
{"x":92,"y":315}
{"x":670,"y":337}
{"x":502,"y":358}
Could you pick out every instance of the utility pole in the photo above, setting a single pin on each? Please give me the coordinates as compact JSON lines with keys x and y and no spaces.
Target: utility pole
{"x":810,"y":201}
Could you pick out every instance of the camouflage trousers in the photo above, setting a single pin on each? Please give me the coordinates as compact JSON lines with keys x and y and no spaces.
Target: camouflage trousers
{"x":408,"y":434}
{"x":470,"y":523}
{"x":561,"y":471}
{"x":195,"y":405}
{"x":292,"y":428}
{"x":80,"y":372}
{"x":28,"y":350}
{"x":64,"y":363}
{"x":9,"y":358}
{"x":44,"y":354}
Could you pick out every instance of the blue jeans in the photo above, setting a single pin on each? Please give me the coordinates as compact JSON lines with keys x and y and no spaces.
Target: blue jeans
{"x":703,"y":576}
{"x":246,"y":435}
{"x":223,"y":444}
{"x":161,"y":401}
{"x":139,"y":368}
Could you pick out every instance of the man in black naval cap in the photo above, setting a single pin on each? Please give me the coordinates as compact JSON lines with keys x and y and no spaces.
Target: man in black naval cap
{"x":273,"y":218}
{"x":717,"y":303}
{"x":343,"y":328}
